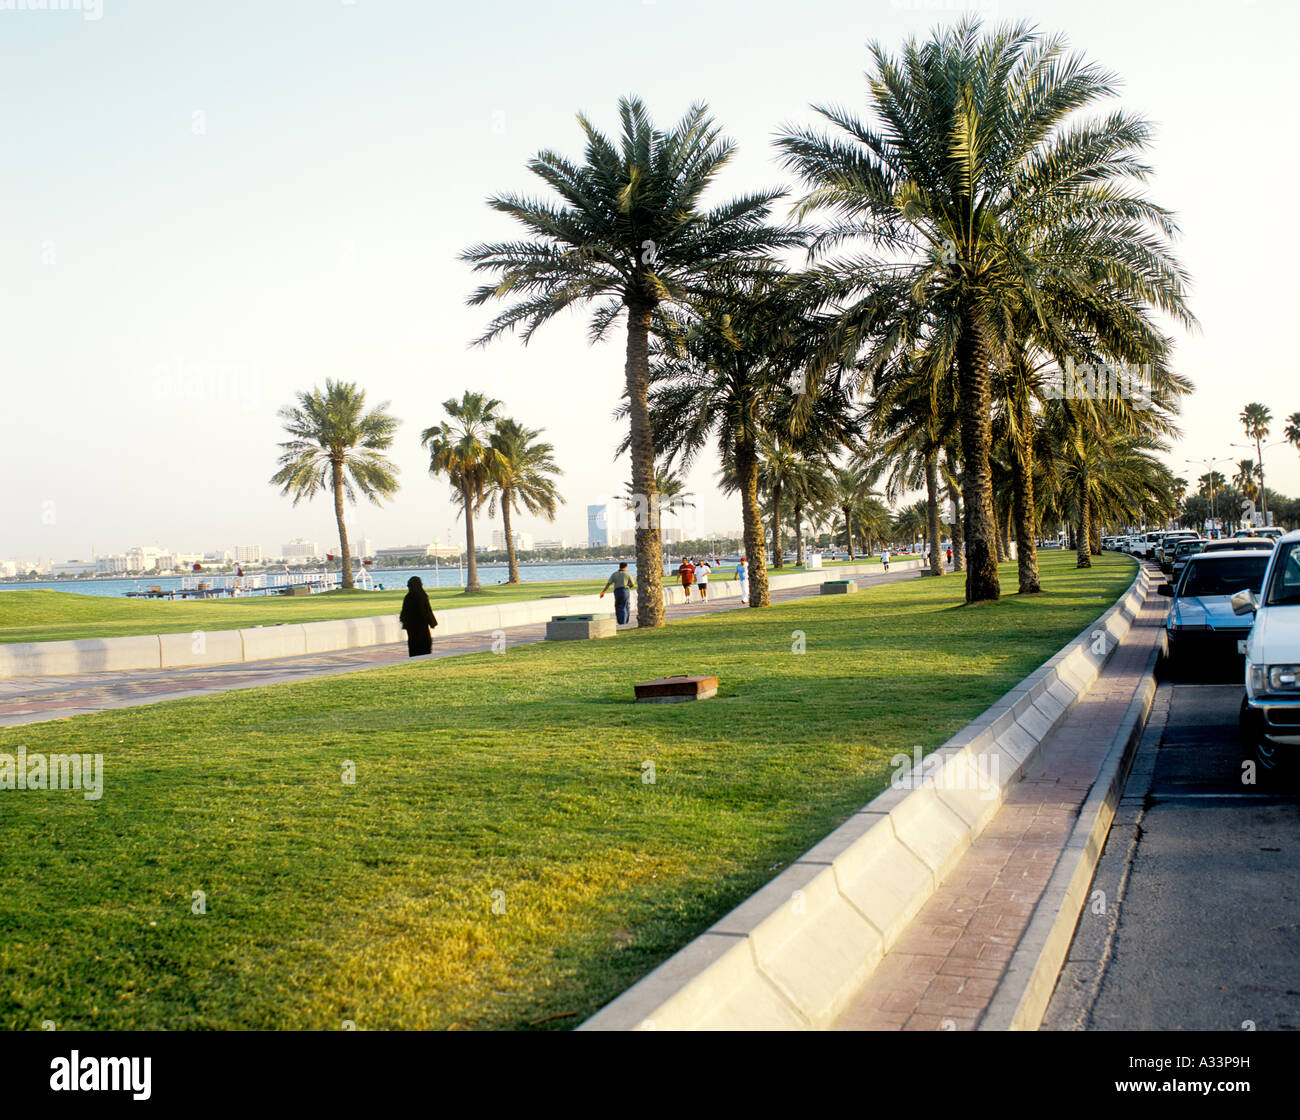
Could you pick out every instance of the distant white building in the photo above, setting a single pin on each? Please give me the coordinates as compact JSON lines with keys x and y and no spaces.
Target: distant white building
{"x":147,"y":558}
{"x":73,"y":568}
{"x":551,"y":542}
{"x":301,"y":551}
{"x":363,"y":548}
{"x":248,"y":554}
{"x":407,"y":552}
{"x":523,"y":541}
{"x":115,"y":563}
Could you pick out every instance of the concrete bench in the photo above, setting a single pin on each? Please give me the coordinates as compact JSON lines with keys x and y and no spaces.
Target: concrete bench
{"x":839,"y":587}
{"x":576,"y":627}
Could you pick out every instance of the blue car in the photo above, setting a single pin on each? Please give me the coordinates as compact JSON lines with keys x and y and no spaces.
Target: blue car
{"x":1202,"y":631}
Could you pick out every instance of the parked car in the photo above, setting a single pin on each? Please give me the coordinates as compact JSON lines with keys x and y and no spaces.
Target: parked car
{"x":1183,"y":551}
{"x":1270,"y":712}
{"x":1163,"y":554}
{"x":1203,"y":627}
{"x":1273,"y":532}
{"x":1241,"y":544}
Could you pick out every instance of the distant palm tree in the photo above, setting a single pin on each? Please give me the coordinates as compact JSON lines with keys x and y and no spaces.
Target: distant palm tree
{"x":336,"y":446}
{"x":1292,"y":429}
{"x":912,"y":522}
{"x":1244,"y":479}
{"x":463,"y":451}
{"x":522,"y":478}
{"x":631,"y":235}
{"x":673,"y":497}
{"x":725,"y":376}
{"x":850,"y":492}
{"x":1255,"y":419}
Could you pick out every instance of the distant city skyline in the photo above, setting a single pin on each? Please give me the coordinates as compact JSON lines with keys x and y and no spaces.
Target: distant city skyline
{"x":203,"y":220}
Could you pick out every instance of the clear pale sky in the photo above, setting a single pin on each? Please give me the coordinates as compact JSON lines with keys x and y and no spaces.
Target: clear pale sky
{"x":209,"y":206}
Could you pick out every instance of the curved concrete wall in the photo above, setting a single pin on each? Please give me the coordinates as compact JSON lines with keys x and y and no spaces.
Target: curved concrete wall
{"x":792,"y":954}
{"x":225,"y":647}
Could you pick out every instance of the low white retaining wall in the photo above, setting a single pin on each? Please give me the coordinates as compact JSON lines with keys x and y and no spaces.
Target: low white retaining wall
{"x":791,"y":955}
{"x":261,"y":643}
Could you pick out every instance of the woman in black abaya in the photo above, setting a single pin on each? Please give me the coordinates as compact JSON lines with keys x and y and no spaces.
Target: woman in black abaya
{"x":417,"y":618}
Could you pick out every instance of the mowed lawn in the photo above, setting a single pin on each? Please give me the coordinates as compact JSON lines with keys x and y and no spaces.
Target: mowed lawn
{"x":501,"y":860}
{"x":51,"y":616}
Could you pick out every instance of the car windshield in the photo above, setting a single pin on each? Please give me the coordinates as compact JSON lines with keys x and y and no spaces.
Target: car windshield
{"x":1284,"y":587}
{"x":1188,"y":547}
{"x":1203,"y":576}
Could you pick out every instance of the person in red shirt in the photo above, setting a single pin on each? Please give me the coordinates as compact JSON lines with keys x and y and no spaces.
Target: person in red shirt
{"x":687,"y":572}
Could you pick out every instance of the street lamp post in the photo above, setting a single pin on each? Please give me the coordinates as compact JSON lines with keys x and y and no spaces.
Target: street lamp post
{"x":1259,"y":454}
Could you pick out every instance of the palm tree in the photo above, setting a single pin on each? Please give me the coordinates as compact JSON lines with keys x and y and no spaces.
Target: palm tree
{"x":630,"y":234}
{"x":522,"y":475}
{"x":851,"y":491}
{"x":1255,"y":418}
{"x":725,"y":375}
{"x":1292,"y":429}
{"x":912,"y":522}
{"x":1244,"y":479}
{"x":670,"y":488}
{"x":974,"y":154}
{"x":463,"y":451}
{"x":336,"y":446}
{"x":911,"y":431}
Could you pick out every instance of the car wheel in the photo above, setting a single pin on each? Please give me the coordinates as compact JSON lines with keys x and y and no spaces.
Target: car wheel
{"x":1175,"y":669}
{"x":1257,"y":749}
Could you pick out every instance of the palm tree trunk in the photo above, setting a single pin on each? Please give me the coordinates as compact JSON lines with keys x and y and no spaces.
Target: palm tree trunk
{"x":778,"y":553}
{"x":1094,"y":538}
{"x":932,"y":508}
{"x":958,"y":530}
{"x":471,"y":562}
{"x":848,"y":530}
{"x":800,"y":559}
{"x":1022,"y":504}
{"x":977,"y":477}
{"x":344,"y":548}
{"x":1084,"y":534}
{"x":649,"y":552}
{"x":1263,"y":495}
{"x":506,"y":497}
{"x":755,"y":550}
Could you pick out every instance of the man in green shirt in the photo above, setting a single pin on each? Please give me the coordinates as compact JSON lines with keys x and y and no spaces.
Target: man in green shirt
{"x":622,"y":582}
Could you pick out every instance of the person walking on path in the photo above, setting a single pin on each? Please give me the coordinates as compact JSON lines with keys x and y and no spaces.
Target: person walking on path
{"x":742,"y":574}
{"x":623,"y":583}
{"x":884,"y":558}
{"x":417,"y":618}
{"x":687,"y":572}
{"x":702,"y":578}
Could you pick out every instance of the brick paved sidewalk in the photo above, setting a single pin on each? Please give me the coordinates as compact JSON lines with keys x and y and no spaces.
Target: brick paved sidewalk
{"x":25,"y":700}
{"x":943,"y":972}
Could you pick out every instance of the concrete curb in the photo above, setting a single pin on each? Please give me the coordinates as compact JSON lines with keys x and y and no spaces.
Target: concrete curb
{"x":792,"y":954}
{"x":1026,"y":987}
{"x":229,"y":647}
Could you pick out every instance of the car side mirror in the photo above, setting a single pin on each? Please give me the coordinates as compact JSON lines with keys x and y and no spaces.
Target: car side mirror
{"x":1165,"y":589}
{"x":1244,"y":602}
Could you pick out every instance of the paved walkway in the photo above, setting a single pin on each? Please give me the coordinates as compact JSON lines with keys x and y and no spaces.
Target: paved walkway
{"x":26,"y":700}
{"x":943,"y":972}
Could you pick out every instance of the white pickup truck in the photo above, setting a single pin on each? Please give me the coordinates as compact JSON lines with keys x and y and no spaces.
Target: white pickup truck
{"x":1270,"y":713}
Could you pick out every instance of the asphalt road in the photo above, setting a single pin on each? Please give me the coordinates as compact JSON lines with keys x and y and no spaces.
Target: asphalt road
{"x":1199,"y":926}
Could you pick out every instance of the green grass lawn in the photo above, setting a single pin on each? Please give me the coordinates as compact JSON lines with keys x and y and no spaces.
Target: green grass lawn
{"x":51,"y":616}
{"x":500,"y":861}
